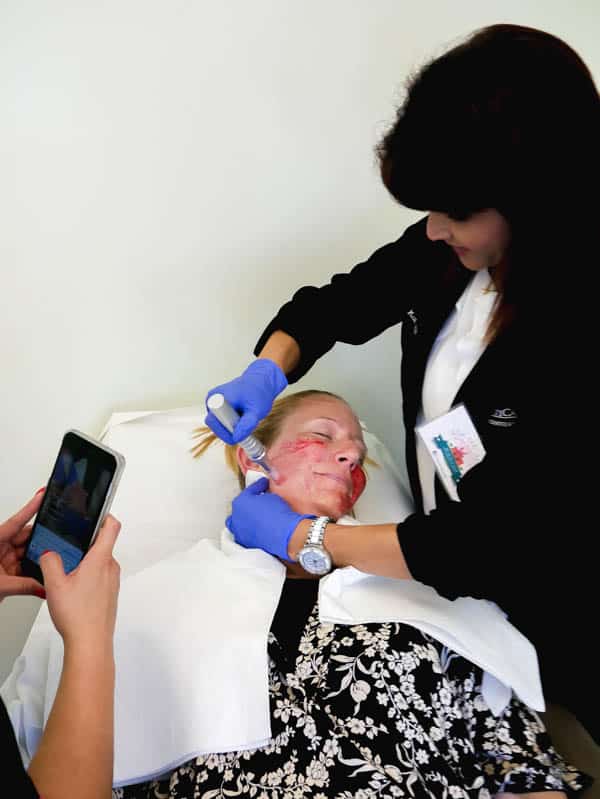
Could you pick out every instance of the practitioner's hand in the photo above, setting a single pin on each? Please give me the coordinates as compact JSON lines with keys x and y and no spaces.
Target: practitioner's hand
{"x":263,"y":521}
{"x":251,"y":395}
{"x":14,"y":533}
{"x":83,"y":604}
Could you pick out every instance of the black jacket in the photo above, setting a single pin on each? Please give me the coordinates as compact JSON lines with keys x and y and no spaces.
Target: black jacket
{"x":519,"y":536}
{"x":15,"y":779}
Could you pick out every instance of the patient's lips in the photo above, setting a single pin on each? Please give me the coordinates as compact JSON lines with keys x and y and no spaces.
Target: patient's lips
{"x":359,"y":480}
{"x":353,"y":484}
{"x":342,"y":481}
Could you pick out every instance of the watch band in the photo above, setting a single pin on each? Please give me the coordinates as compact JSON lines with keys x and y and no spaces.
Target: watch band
{"x":316,"y":532}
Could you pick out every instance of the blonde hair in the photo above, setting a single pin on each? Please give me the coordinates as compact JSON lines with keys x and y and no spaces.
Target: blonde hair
{"x":266,"y":431}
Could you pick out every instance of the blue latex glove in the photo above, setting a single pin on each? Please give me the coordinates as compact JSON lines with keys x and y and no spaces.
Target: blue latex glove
{"x":251,"y":395}
{"x":263,"y":521}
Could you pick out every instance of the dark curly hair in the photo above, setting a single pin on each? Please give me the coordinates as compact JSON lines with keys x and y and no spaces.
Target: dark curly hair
{"x":509,"y":119}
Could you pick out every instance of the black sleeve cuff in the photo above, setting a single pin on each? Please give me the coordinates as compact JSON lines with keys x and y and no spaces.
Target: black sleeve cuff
{"x":440,"y":551}
{"x":421,"y":559}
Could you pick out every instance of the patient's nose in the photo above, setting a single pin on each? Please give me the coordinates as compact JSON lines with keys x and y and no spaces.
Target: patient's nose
{"x":349,"y":453}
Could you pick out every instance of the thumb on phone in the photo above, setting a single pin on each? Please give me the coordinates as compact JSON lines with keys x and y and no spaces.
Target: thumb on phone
{"x":52,"y":568}
{"x":107,"y":535}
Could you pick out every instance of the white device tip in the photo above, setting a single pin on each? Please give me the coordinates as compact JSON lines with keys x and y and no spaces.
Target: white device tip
{"x":215,"y":401}
{"x":252,"y":475}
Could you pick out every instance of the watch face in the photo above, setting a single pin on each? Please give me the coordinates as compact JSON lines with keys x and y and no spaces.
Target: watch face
{"x":315,"y":560}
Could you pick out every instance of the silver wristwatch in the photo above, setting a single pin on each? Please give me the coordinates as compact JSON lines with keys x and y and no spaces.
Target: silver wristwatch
{"x":313,"y":557}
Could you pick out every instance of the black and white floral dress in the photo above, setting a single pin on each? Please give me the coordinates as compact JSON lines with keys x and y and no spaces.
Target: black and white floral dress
{"x":374,"y":710}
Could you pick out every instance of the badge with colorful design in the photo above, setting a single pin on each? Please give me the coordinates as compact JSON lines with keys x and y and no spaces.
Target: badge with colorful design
{"x":453,"y":443}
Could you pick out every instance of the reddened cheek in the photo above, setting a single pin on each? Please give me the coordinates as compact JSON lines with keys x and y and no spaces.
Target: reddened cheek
{"x":290,"y":456}
{"x":301,"y":445}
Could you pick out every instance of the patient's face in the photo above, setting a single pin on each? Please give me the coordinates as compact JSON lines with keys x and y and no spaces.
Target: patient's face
{"x":318,"y":456}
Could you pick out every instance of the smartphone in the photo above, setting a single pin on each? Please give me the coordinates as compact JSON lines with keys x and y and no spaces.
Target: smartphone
{"x":77,"y":499}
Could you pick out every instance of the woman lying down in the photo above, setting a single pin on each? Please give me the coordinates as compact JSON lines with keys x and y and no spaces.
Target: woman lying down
{"x":369,"y":709}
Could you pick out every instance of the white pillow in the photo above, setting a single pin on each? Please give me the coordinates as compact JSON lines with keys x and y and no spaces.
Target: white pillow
{"x":168,"y":500}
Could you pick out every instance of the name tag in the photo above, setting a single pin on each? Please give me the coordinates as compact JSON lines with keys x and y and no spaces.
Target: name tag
{"x":453,"y":443}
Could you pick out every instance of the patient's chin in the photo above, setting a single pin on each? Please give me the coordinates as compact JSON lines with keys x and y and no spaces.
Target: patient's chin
{"x":342,"y":507}
{"x":332,"y":503}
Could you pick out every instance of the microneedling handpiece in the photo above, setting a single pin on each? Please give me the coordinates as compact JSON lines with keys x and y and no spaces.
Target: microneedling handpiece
{"x":229,"y":418}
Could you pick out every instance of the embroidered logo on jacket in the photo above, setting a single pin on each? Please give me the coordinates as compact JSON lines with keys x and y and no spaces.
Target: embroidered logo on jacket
{"x":503,"y":417}
{"x":413,"y":318}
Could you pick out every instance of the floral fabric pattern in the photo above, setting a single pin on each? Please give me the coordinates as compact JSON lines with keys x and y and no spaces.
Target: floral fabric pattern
{"x":375,"y":711}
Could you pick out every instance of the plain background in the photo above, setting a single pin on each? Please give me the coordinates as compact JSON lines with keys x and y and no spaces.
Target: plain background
{"x":170,"y":172}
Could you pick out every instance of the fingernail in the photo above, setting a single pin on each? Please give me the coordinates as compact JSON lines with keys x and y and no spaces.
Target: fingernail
{"x":45,"y":552}
{"x":41,"y":592}
{"x":40,"y":490}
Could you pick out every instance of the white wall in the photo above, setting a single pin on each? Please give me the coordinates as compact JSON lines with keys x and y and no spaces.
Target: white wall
{"x":171,"y":171}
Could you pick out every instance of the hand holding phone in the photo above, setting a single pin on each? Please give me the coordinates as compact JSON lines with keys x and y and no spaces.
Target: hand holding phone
{"x":76,"y":501}
{"x":14,"y":533}
{"x":83,"y":604}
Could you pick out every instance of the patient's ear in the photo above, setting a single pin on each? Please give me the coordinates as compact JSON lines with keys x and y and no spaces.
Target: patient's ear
{"x":250,"y":470}
{"x":243,"y":460}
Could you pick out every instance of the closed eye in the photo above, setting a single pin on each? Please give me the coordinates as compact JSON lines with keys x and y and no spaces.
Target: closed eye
{"x":323,"y":435}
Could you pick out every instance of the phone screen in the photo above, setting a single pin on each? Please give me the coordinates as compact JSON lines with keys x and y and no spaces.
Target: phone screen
{"x":72,"y":504}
